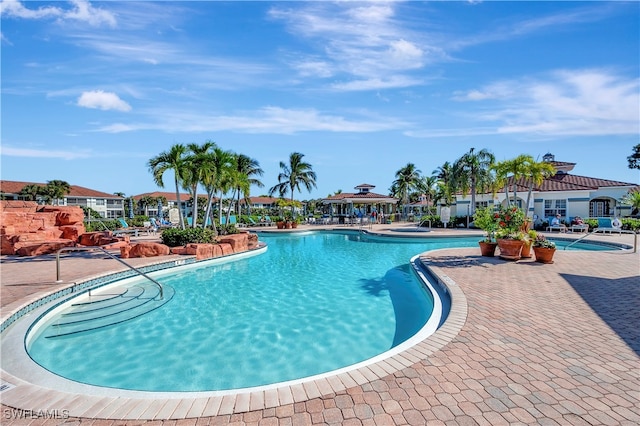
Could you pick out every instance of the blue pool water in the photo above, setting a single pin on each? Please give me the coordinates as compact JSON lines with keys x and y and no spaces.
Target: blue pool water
{"x":311,"y":304}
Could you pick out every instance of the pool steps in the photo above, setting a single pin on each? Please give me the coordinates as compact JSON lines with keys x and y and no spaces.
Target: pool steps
{"x":103,"y":310}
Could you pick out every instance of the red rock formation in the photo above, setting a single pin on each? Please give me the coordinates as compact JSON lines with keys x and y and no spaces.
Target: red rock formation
{"x":144,"y":250}
{"x":29,"y":229}
{"x":238,"y":242}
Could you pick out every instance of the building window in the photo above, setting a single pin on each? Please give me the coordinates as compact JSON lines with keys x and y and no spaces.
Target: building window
{"x":482,"y":204}
{"x":555,"y":207}
{"x":76,"y":202}
{"x":100,"y":202}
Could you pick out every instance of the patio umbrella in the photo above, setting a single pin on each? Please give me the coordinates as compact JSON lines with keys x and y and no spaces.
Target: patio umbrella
{"x":130,"y":208}
{"x":160,"y":209}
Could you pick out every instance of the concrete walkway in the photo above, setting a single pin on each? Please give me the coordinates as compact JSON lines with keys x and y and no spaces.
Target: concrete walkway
{"x":551,"y":344}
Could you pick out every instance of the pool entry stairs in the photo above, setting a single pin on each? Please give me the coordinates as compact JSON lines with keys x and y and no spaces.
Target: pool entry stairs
{"x":114,"y":306}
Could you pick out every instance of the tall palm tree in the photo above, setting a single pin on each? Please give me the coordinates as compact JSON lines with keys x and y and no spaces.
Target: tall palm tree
{"x":535,"y":173}
{"x":57,"y":189}
{"x":294,"y":174}
{"x":407,"y":179}
{"x":473,"y":170}
{"x":427,"y":187}
{"x":197,"y":168}
{"x":445,"y":183}
{"x":510,"y":172}
{"x":251,"y":169}
{"x":220,"y":163}
{"x":174,"y":159}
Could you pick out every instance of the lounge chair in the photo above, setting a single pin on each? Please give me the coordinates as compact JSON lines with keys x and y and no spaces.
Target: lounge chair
{"x":268,"y":221}
{"x":126,"y":229}
{"x":561,"y":227}
{"x":605,"y":225}
{"x":150,"y":226}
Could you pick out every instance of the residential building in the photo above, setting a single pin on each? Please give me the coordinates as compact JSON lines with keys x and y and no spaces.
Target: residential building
{"x":106,"y":205}
{"x":566,"y":194}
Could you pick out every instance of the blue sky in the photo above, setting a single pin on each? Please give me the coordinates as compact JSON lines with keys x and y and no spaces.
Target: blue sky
{"x":92,"y":90}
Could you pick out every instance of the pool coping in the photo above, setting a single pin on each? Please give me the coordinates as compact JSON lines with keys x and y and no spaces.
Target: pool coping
{"x":140,"y":405}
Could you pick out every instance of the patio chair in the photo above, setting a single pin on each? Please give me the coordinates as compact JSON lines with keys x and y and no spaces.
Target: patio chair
{"x":126,"y":229}
{"x":560,"y":227}
{"x":150,"y":226}
{"x":605,"y":225}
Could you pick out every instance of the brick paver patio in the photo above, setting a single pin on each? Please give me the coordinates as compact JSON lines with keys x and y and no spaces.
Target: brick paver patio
{"x":541,"y":344}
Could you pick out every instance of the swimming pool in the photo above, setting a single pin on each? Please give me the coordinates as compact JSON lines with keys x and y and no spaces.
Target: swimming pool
{"x":313,"y":303}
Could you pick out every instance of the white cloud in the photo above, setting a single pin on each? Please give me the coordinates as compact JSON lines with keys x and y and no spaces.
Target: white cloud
{"x":99,"y":99}
{"x":82,"y":11}
{"x":566,"y":102}
{"x":41,"y":153}
{"x":363,"y":43}
{"x":267,"y":120}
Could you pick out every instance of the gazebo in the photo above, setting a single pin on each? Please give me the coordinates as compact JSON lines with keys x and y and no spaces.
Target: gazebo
{"x":359,"y":204}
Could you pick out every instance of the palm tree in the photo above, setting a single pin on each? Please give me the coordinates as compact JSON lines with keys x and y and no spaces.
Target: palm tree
{"x":407,"y":179}
{"x":31,"y":191}
{"x":170,"y":160}
{"x":427,"y":187}
{"x":510,"y":171}
{"x":56,"y":189}
{"x":249,"y":168}
{"x":473,"y":170}
{"x":632,"y":199}
{"x":145,"y":202}
{"x":197,"y":169}
{"x":294,"y":174}
{"x":220,"y":163}
{"x":535,"y":173}
{"x":445,"y":185}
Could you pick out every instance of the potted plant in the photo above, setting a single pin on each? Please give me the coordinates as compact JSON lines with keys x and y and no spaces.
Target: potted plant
{"x":484,"y":219}
{"x":529,"y":238}
{"x":544,"y":249}
{"x":510,"y":237}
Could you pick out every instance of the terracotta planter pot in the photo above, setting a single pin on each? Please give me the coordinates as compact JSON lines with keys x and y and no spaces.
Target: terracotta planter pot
{"x":544,"y":254}
{"x":510,"y":249}
{"x":487,"y":249}
{"x":287,"y":225}
{"x":280,"y":225}
{"x":294,"y":224}
{"x":526,"y":251}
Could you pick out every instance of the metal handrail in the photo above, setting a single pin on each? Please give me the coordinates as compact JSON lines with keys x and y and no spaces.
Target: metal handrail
{"x":623,"y":231}
{"x":58,"y":280}
{"x":423,"y":221}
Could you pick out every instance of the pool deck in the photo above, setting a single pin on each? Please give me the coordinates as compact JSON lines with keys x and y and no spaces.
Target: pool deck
{"x":525,"y":343}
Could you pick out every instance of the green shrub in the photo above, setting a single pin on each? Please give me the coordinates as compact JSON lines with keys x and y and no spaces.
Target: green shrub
{"x":175,"y":237}
{"x":227,"y":229}
{"x":630,"y":224}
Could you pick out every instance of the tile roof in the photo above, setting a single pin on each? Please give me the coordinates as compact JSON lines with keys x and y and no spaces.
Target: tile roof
{"x":359,"y":195}
{"x":14,"y":187}
{"x":568,"y":182}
